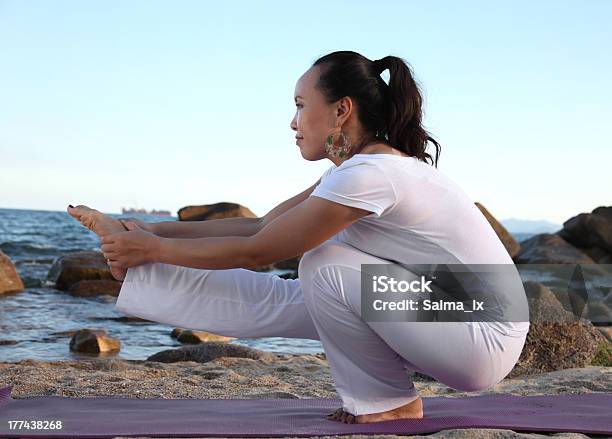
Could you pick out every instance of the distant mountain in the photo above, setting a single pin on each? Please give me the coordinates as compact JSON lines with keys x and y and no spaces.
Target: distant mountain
{"x":515,"y":225}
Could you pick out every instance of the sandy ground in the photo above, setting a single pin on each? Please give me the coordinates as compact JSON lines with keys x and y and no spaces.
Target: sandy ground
{"x":288,"y":376}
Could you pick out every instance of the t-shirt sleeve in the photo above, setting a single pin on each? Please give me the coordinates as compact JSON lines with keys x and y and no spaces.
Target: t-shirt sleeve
{"x":361,"y":184}
{"x":327,"y":172}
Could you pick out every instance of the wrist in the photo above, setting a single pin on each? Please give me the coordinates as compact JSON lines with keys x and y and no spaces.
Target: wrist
{"x":153,"y":228}
{"x":160,"y":249}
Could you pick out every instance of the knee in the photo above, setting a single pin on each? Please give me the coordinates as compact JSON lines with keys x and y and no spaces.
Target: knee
{"x":314,"y":282}
{"x":315,"y":258}
{"x":476,"y":383}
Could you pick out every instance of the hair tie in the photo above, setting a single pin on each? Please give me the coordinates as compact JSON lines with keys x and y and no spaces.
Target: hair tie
{"x":379,"y":66}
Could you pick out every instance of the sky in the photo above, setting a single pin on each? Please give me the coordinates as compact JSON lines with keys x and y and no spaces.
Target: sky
{"x":161,"y":105}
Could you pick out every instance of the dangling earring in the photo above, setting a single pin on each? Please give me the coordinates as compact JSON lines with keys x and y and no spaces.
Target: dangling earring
{"x":337,"y":147}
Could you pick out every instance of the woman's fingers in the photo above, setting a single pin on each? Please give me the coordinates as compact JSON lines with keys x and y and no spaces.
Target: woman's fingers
{"x":108,"y":239}
{"x":107,"y":248}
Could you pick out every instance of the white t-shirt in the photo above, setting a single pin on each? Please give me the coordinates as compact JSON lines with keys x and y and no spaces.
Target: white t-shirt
{"x":419,"y":215}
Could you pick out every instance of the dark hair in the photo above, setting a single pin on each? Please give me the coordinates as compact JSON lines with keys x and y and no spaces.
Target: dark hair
{"x":391,"y":112}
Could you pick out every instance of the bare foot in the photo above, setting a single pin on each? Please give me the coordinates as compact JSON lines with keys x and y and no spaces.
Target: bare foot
{"x":412,"y":410}
{"x":342,"y":416}
{"x":101,"y":225}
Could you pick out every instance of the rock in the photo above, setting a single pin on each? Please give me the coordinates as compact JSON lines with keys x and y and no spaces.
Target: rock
{"x":599,"y":255}
{"x":512,"y":247}
{"x":556,"y":340}
{"x":421,"y":376}
{"x":291,"y":275}
{"x":214,"y":211}
{"x":90,"y":288}
{"x":548,"y":248}
{"x":125,"y":319}
{"x":8,"y":342}
{"x":288,"y":264}
{"x":545,"y":306}
{"x":599,"y":314}
{"x":606,"y":331}
{"x":263,"y":268}
{"x":189,"y":336}
{"x":93,"y":341}
{"x":592,"y":231}
{"x":74,"y":267}
{"x":603,"y":356}
{"x":208,"y":351}
{"x":10,"y":282}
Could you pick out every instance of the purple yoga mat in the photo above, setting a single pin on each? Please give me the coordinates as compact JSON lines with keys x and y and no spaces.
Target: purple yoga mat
{"x":104,"y":416}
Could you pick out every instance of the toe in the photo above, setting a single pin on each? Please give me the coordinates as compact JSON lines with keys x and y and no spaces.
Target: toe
{"x":335,"y":415}
{"x":78,"y":211}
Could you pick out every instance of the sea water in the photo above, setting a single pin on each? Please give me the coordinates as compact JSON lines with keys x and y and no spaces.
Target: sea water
{"x":31,"y":322}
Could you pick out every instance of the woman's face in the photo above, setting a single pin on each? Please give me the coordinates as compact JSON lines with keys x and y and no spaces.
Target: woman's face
{"x":314,"y":119}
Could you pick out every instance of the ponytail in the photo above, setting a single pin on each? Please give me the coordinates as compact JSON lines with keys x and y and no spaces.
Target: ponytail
{"x":393,"y":112}
{"x":405,"y":112}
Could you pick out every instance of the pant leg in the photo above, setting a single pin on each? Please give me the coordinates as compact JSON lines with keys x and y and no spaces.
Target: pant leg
{"x":368,"y":360}
{"x":235,"y":302}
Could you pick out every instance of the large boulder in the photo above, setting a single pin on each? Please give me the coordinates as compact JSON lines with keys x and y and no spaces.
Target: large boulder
{"x":92,"y":288}
{"x":214,"y":211}
{"x":93,"y":341}
{"x":10,"y":282}
{"x":71,"y":268}
{"x":512,"y":247}
{"x":547,"y":248}
{"x":194,"y":337}
{"x":592,"y":233}
{"x":557,"y":338}
{"x":208,"y":351}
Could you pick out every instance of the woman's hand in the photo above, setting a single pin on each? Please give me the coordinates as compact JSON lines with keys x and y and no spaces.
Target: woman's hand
{"x":131,"y":248}
{"x":142,"y":224}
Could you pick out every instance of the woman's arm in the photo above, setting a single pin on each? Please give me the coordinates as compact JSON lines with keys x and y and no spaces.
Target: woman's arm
{"x":206,"y":228}
{"x":225,"y":226}
{"x":296,"y":231}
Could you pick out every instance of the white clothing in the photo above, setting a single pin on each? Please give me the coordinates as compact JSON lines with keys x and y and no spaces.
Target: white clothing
{"x":419,"y":216}
{"x":368,"y":360}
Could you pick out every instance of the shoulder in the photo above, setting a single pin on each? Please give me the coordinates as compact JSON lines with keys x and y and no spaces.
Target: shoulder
{"x":358,"y":169}
{"x":358,"y":183}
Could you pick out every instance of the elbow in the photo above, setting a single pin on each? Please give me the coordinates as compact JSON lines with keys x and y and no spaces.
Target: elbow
{"x":252,"y":256}
{"x":251,"y":263}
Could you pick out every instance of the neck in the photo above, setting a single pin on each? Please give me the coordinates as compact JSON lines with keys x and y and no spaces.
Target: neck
{"x":356,"y":148}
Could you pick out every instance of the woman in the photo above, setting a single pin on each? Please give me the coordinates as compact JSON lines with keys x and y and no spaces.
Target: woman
{"x":380,"y":201}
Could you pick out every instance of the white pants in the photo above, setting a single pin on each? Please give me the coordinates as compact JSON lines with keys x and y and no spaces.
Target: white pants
{"x":368,"y":360}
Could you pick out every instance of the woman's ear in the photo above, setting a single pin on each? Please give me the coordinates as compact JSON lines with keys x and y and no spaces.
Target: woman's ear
{"x":344,"y":109}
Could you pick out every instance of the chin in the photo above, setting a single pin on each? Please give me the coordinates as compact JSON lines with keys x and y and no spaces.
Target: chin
{"x":310,"y":155}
